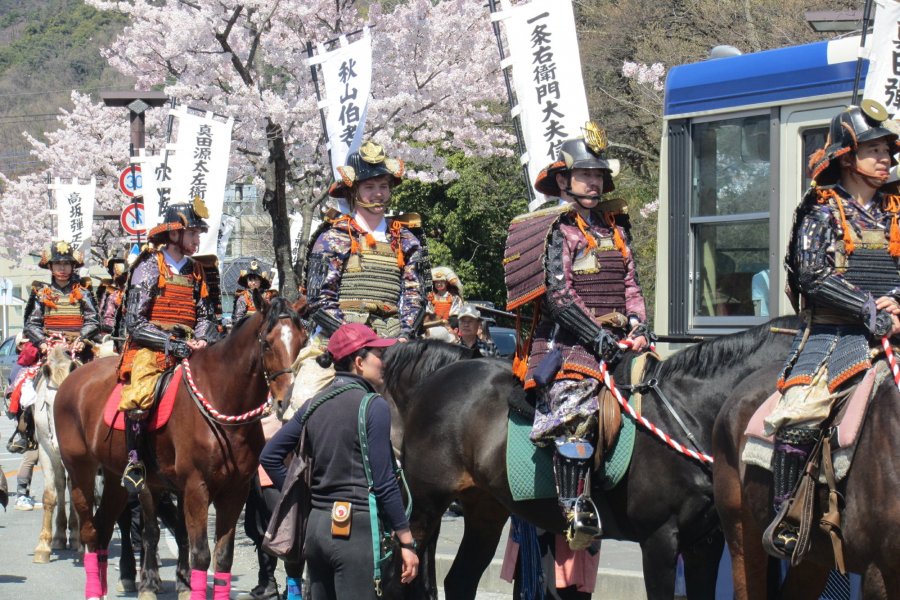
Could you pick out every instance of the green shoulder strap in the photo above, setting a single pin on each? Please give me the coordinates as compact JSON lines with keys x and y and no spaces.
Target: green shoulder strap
{"x":378,"y":552}
{"x":325,"y":398}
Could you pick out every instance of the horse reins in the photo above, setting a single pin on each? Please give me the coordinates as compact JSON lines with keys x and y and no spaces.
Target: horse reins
{"x":610,"y":384}
{"x":251,"y":416}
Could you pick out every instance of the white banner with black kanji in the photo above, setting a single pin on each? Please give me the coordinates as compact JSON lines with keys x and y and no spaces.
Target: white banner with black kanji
{"x":74,"y":211}
{"x":200,"y":166}
{"x":883,"y":76}
{"x":347,"y":80}
{"x":546,"y":72}
{"x":156,"y":178}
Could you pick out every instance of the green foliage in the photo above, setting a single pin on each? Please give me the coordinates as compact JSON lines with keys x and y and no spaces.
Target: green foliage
{"x":466,"y":220}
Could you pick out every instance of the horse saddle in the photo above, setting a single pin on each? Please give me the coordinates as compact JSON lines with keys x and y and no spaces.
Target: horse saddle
{"x":846,"y":424}
{"x":163,"y":402}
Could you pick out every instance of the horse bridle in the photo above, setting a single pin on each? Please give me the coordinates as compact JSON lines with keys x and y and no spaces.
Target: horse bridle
{"x":271,"y":377}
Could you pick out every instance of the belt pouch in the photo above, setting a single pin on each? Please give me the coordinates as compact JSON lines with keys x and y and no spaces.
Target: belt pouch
{"x":340,"y":519}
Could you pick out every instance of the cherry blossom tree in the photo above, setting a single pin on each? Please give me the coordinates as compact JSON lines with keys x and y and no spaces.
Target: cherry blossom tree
{"x":435,"y":83}
{"x":92,"y":141}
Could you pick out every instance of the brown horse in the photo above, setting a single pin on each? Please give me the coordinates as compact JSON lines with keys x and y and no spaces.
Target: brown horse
{"x":197,"y":454}
{"x":870,"y":507}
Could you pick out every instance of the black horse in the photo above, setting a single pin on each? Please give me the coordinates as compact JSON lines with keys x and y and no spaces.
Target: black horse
{"x":453,"y":415}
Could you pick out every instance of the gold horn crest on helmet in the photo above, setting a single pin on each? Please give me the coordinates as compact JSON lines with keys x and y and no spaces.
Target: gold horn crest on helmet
{"x":595,"y":137}
{"x":372,"y":153}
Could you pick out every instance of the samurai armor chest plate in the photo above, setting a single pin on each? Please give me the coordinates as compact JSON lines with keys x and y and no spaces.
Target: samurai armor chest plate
{"x":870,"y":267}
{"x":371,"y":282}
{"x":175,"y":304}
{"x":598,"y":277}
{"x":66,"y":317}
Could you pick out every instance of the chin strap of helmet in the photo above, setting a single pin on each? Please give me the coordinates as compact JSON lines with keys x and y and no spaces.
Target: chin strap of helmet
{"x":870,"y":178}
{"x":578,"y":197}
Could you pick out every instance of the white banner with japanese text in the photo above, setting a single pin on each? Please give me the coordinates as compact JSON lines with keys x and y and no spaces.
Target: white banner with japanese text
{"x":546,"y":72}
{"x":347,"y":78}
{"x":156,"y":172}
{"x":883,"y":76}
{"x":74,"y":212}
{"x":200,"y":166}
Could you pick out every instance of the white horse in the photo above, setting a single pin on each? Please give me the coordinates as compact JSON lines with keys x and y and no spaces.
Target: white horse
{"x":56,"y":368}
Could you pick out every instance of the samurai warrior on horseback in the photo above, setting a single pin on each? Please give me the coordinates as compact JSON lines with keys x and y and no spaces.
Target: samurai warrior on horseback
{"x":59,"y":312}
{"x":251,"y":278}
{"x":843,"y":277}
{"x":167,"y":316}
{"x":365,"y":267}
{"x":589,"y":300}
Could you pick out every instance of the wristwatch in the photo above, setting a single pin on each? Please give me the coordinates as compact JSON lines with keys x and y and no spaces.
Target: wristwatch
{"x":411,"y":546}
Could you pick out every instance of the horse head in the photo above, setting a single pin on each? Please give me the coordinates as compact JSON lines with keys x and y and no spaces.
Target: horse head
{"x":280,"y":337}
{"x":57,"y":366}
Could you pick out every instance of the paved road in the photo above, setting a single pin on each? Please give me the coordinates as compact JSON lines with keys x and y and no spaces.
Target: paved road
{"x":63,"y":578}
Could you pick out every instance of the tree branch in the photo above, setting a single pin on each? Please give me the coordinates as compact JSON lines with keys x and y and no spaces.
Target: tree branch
{"x":222,"y":38}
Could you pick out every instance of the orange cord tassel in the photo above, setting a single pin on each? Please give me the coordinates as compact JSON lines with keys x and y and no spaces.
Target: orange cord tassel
{"x":824,"y":195}
{"x":163,"y":270}
{"x":591,"y":242}
{"x":892,"y":204}
{"x":618,"y":240}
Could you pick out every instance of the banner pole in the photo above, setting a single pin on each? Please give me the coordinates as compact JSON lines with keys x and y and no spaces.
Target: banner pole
{"x":315,"y":79}
{"x":867,"y":13}
{"x":520,"y":142}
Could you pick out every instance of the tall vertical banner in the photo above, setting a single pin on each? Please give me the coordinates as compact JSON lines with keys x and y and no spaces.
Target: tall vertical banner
{"x":200,"y":167}
{"x":546,"y":71}
{"x":75,"y":211}
{"x":347,"y":78}
{"x":156,"y":181}
{"x":883,"y":76}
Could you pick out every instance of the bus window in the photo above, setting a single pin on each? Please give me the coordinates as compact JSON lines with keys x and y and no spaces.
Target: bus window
{"x":729,"y":219}
{"x":813,"y":139}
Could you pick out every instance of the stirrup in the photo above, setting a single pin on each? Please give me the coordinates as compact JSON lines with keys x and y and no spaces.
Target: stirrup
{"x":133,"y":478}
{"x":584,"y":524}
{"x":19,"y":443}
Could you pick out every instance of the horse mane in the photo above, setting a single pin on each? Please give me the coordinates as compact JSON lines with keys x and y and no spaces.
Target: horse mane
{"x":407,"y":364}
{"x":710,"y":357}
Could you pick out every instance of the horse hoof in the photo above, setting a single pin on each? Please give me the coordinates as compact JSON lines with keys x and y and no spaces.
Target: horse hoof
{"x":184,"y":595}
{"x":126,"y":586}
{"x":148,"y":595}
{"x":58,"y":545}
{"x":41,"y":557}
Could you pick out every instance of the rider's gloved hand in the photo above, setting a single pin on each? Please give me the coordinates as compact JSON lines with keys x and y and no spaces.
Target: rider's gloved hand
{"x":178,"y":349}
{"x":606,"y":346}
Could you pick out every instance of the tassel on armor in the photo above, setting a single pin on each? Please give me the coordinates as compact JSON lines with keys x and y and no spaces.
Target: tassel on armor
{"x":571,"y":468}
{"x":134,"y":475}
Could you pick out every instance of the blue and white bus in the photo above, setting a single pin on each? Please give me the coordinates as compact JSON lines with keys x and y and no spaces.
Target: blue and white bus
{"x":737,"y":134}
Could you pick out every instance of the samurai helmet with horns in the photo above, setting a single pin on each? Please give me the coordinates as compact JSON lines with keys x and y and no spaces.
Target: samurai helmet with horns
{"x":368,"y":162}
{"x":61,"y":251}
{"x":585,"y":152}
{"x":181,"y":216}
{"x":850,"y":128}
{"x":253,"y":270}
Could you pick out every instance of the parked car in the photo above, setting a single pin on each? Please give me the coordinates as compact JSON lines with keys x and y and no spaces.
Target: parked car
{"x":8,"y":357}
{"x":505,"y":340}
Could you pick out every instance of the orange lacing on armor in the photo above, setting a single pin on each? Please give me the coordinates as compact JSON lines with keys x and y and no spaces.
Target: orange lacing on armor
{"x":823,"y":197}
{"x":583,"y":226}
{"x":353,"y":226}
{"x":618,"y":240}
{"x":396,"y":246}
{"x":165,"y":272}
{"x":892,"y":205}
{"x":248,"y":298}
{"x":523,"y":346}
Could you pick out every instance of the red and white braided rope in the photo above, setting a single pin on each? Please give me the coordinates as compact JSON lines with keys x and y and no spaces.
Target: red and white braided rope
{"x":611,"y":385}
{"x":892,"y":360}
{"x":256,"y":413}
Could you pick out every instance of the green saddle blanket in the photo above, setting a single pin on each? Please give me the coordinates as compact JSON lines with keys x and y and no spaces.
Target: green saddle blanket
{"x":529,"y":468}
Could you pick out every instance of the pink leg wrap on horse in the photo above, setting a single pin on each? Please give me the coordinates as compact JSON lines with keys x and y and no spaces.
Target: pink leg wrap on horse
{"x":198,"y":585}
{"x":103,"y":562}
{"x":92,"y":587}
{"x":221,"y":586}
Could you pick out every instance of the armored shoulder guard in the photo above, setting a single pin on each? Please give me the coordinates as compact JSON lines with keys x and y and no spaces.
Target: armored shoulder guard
{"x":36,"y":287}
{"x":523,"y":259}
{"x":324,"y":226}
